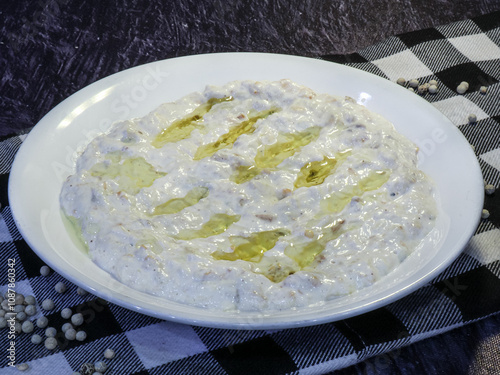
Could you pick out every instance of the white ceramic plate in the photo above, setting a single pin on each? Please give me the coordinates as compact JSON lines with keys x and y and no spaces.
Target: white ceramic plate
{"x":47,"y":157}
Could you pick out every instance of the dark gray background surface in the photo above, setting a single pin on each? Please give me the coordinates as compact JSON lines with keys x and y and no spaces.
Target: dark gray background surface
{"x":52,"y":48}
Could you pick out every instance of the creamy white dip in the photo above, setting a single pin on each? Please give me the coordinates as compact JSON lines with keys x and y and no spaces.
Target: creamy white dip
{"x":253,"y":196}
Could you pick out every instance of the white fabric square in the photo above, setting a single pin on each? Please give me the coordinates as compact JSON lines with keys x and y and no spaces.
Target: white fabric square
{"x":4,"y":231}
{"x":458,"y":108}
{"x":492,"y":158}
{"x":403,"y":64}
{"x":165,"y":342}
{"x":482,"y":246}
{"x":476,"y":47}
{"x":53,"y":364}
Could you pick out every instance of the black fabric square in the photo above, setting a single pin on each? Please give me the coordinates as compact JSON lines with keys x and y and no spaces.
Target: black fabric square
{"x":98,"y":322}
{"x":468,"y":72}
{"x":202,"y":363}
{"x":31,"y":262}
{"x":420,"y":36}
{"x":345,"y":59}
{"x":492,"y":204}
{"x":4,"y":185}
{"x":483,"y":135}
{"x":488,"y":22}
{"x":372,"y":328}
{"x":476,"y":293}
{"x":260,"y":356}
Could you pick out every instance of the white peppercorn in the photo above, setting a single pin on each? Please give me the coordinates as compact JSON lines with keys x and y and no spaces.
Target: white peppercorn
{"x":42,"y":322}
{"x":19,"y":299}
{"x":2,"y":312}
{"x":101,"y":366}
{"x":22,"y":366}
{"x":489,"y":189}
{"x":60,"y":287}
{"x":81,"y":292}
{"x":461,"y":89}
{"x":81,"y":335}
{"x":48,"y":304}
{"x":29,"y":300}
{"x":50,"y":332}
{"x":485,"y":214}
{"x":421,"y":89}
{"x":77,"y":319}
{"x":45,"y":271}
{"x":66,"y":326}
{"x":433,"y":82}
{"x":401,"y":81}
{"x":3,"y":322}
{"x":27,"y":326}
{"x":36,"y":339}
{"x":21,"y":316}
{"x":472,"y":118}
{"x":433,"y":89}
{"x":18,"y":327}
{"x":19,"y":308}
{"x":66,"y":313}
{"x":50,"y":343}
{"x":411,"y":89}
{"x":413,"y":83}
{"x":5,"y":305}
{"x":30,"y":310}
{"x":464,"y":83}
{"x":483,"y":90}
{"x":70,"y":334}
{"x":109,"y":354}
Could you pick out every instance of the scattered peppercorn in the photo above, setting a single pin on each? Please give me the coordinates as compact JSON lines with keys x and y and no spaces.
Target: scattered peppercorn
{"x":109,"y":354}
{"x":70,"y":334}
{"x":50,"y":332}
{"x":472,"y":118}
{"x":60,"y":287}
{"x":66,"y":313}
{"x":433,"y":89}
{"x":101,"y":366}
{"x":489,"y":189}
{"x":77,"y":319}
{"x":22,"y":366}
{"x":401,"y":81}
{"x":485,"y":214}
{"x":461,"y":89}
{"x":81,"y":292}
{"x":66,"y":326}
{"x":413,"y":83}
{"x":48,"y":304}
{"x":42,"y":322}
{"x":81,"y":335}
{"x":36,"y":339}
{"x":50,"y":343}
{"x":45,"y":271}
{"x":27,"y":326}
{"x":483,"y":90}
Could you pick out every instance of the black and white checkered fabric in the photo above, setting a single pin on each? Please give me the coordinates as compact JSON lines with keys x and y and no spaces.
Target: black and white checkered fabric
{"x":467,"y":291}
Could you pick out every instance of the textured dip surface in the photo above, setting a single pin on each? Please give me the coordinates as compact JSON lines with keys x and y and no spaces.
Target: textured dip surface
{"x":253,"y":196}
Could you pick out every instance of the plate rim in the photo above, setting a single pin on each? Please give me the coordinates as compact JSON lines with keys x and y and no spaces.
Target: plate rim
{"x":14,"y":201}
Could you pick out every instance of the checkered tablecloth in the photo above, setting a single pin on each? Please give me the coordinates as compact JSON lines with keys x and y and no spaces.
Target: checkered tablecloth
{"x":467,"y":291}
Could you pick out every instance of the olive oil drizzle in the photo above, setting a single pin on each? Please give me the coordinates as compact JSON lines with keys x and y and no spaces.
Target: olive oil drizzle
{"x":244,"y":173}
{"x":175,"y":205}
{"x":131,"y":174}
{"x":336,"y":201}
{"x":305,"y":253}
{"x":273,"y":155}
{"x":227,"y":140}
{"x":74,"y":228}
{"x":315,"y":172}
{"x":217,"y":224}
{"x":252,"y":247}
{"x":182,"y":128}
